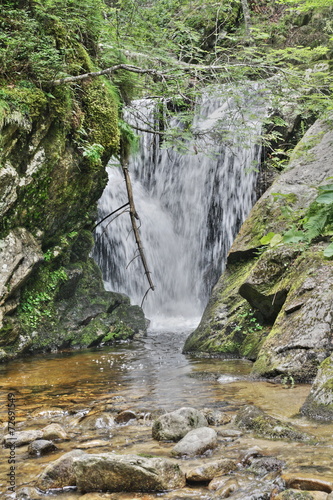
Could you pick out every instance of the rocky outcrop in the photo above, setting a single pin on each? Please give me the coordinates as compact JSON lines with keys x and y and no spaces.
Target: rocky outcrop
{"x":273,"y":304}
{"x":54,"y":146}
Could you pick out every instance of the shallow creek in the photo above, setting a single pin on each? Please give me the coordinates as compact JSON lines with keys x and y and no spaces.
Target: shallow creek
{"x":148,"y":376}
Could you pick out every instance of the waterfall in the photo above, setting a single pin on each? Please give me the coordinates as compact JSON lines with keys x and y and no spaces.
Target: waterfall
{"x":191,"y":204}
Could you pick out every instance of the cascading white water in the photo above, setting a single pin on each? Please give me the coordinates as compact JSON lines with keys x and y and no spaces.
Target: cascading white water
{"x":191,"y":205}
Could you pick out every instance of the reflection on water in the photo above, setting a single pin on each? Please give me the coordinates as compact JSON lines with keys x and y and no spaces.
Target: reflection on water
{"x":150,"y":374}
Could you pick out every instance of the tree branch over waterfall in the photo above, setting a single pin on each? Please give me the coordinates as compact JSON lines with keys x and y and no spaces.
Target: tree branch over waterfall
{"x":134,"y":217}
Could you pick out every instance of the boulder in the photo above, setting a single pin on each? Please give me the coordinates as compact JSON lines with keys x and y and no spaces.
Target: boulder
{"x":273,"y":303}
{"x":295,"y":494}
{"x":196,"y":442}
{"x":22,"y":437}
{"x":319,"y":403}
{"x":41,"y":447}
{"x":173,"y":426}
{"x":56,"y":432}
{"x":263,"y":425}
{"x":111,"y":472}
{"x":206,"y":472}
{"x":60,"y":473}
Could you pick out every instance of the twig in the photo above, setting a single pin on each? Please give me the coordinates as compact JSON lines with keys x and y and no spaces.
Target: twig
{"x":104,"y":218}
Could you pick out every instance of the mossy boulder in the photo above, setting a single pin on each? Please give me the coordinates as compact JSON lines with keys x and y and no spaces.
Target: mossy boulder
{"x":262,"y":425}
{"x":273,"y":303}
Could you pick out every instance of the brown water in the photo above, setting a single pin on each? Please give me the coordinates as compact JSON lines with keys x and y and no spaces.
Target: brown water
{"x":150,"y":375}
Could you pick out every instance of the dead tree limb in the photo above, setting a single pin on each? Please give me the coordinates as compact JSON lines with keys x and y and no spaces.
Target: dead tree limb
{"x":134,"y":217}
{"x":109,"y":215}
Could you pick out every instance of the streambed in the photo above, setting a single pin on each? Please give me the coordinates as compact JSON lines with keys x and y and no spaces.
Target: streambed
{"x":149,"y":376}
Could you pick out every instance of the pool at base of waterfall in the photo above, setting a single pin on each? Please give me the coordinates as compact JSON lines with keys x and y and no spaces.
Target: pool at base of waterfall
{"x":107,"y":399}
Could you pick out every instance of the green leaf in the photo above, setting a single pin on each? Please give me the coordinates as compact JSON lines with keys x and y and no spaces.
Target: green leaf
{"x":293,"y":236}
{"x":276,"y":240}
{"x":265,"y":240}
{"x":328,"y":252}
{"x":325,"y":198}
{"x":327,"y":187}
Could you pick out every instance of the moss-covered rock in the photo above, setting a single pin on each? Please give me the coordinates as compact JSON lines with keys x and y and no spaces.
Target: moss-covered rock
{"x":265,"y":426}
{"x":273,"y":304}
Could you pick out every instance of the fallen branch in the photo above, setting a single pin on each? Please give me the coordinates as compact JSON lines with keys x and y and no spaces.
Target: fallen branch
{"x":134,"y":217}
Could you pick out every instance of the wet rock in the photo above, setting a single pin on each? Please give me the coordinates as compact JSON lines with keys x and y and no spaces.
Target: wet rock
{"x":97,"y":421}
{"x":254,"y":490}
{"x":252,"y":418}
{"x":295,"y":494}
{"x":55,"y":432}
{"x":264,"y":465}
{"x":230,"y":433}
{"x":225,"y":485}
{"x":196,"y":442}
{"x":28,"y":493}
{"x":307,"y":482}
{"x":22,"y":438}
{"x":49,"y":412}
{"x":206,"y":472}
{"x":319,"y":403}
{"x":247,"y":457}
{"x":215,"y":417}
{"x":41,"y":447}
{"x":60,"y":473}
{"x":125,"y":416}
{"x":173,"y":426}
{"x":110,"y":472}
{"x":96,"y":443}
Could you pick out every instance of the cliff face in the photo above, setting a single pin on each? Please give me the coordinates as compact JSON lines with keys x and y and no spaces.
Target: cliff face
{"x":273,"y":304}
{"x":53,"y":151}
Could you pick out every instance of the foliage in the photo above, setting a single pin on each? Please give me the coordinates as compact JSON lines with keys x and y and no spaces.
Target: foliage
{"x":317,"y":223}
{"x":36,"y":303}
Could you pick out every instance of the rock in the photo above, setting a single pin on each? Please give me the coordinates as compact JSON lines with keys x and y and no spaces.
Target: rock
{"x":48,"y":412}
{"x":22,"y":438}
{"x":196,"y":442}
{"x":319,"y":403}
{"x":55,"y":432}
{"x":230,"y":433}
{"x":225,"y":485}
{"x":9,"y":180}
{"x":294,"y":494}
{"x":173,"y":426}
{"x":247,"y":457}
{"x":206,"y":472}
{"x":41,"y":447}
{"x":28,"y":493}
{"x":60,"y":473}
{"x":101,"y":420}
{"x":215,"y":417}
{"x":252,"y":418}
{"x":293,"y":338}
{"x":307,"y":482}
{"x":264,"y":465}
{"x":20,"y":253}
{"x":110,"y":472}
{"x":125,"y":416}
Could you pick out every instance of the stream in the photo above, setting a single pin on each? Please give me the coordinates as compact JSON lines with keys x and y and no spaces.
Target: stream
{"x":149,"y":376}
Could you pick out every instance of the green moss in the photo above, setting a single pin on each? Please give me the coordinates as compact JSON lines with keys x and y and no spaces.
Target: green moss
{"x":25,"y":98}
{"x":100,"y":104}
{"x":37,"y":298}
